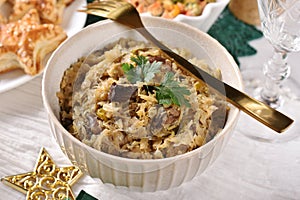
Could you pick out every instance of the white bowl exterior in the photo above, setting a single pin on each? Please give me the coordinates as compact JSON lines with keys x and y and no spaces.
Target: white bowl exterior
{"x":141,"y":175}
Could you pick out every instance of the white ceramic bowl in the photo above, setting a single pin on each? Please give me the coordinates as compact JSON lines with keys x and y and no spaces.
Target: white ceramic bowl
{"x":141,"y":175}
{"x":204,"y":21}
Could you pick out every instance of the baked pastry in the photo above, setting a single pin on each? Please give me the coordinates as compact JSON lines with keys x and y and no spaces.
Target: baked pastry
{"x":2,"y":19}
{"x":1,"y":2}
{"x":50,"y":11}
{"x":25,"y":43}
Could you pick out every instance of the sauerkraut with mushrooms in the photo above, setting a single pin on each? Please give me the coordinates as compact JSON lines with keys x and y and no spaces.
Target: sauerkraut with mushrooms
{"x":130,"y":100}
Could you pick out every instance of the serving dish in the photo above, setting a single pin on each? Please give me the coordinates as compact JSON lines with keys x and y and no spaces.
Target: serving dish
{"x":204,"y":21}
{"x":72,"y":22}
{"x":135,"y":174}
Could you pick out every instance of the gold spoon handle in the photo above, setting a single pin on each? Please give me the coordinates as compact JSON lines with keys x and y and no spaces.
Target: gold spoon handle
{"x":256,"y":109}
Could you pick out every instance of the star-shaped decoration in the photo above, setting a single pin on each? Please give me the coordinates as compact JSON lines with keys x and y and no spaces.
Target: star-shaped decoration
{"x":47,"y":181}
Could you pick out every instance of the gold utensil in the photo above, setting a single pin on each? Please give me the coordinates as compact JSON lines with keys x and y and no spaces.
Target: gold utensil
{"x":126,"y":14}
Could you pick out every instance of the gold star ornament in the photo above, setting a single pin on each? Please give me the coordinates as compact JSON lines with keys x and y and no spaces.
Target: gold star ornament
{"x":47,"y":181}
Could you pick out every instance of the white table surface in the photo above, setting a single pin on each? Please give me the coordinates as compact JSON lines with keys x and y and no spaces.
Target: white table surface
{"x":247,"y":169}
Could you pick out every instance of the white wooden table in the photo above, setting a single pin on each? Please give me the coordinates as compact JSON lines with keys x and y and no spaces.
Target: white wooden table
{"x":247,"y":169}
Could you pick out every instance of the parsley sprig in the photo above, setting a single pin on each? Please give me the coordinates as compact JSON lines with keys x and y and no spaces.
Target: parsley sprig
{"x":168,"y":92}
{"x":143,"y":72}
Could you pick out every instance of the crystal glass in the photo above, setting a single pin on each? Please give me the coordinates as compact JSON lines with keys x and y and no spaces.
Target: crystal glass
{"x":280,"y":23}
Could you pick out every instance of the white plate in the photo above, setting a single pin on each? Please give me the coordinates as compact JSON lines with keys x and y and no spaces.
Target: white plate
{"x":73,"y":22}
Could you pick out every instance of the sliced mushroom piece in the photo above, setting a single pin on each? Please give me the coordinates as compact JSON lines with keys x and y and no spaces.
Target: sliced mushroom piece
{"x":122,"y":93}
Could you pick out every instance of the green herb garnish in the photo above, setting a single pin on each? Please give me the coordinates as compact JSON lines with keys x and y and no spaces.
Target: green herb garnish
{"x":168,"y":92}
{"x":144,"y":70}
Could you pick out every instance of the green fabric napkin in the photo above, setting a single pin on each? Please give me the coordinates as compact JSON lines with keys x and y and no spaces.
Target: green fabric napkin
{"x":234,"y":34}
{"x":85,"y":196}
{"x":92,"y":18}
